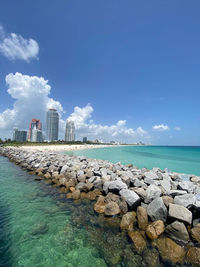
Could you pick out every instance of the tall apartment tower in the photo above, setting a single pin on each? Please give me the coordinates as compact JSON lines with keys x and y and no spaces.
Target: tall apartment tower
{"x":35,"y":123}
{"x":52,"y":123}
{"x":70,"y":131}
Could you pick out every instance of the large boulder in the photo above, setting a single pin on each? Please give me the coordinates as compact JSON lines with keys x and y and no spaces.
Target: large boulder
{"x":151,"y":175}
{"x":195,"y":233}
{"x":131,"y":198}
{"x":127,"y":221}
{"x":116,"y":186}
{"x":180,"y":213}
{"x":152,"y":192}
{"x":99,"y":206}
{"x":111,"y":208}
{"x":177,"y":231}
{"x":157,"y":210}
{"x":193,"y":256}
{"x":138,"y":241}
{"x":142,"y":218}
{"x":170,"y":251}
{"x":155,"y":229}
{"x":186,"y":186}
{"x":167,"y":200}
{"x":185,"y":200}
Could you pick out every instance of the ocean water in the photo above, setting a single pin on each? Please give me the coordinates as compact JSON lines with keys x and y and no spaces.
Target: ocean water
{"x":41,"y":227}
{"x":175,"y":158}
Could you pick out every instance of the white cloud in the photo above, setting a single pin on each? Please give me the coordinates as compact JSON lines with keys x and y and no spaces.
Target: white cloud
{"x":118,"y":131}
{"x":160,"y":127}
{"x":177,"y":128}
{"x":31,"y":100}
{"x":31,"y":94}
{"x":14,"y":46}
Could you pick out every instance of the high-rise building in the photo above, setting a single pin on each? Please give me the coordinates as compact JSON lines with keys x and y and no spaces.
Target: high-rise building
{"x":52,"y":123}
{"x":36,"y":135}
{"x":35,"y":123}
{"x":19,"y":136}
{"x":84,"y":139}
{"x":70,"y":131}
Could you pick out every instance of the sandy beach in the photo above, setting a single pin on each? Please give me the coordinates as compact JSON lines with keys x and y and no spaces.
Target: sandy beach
{"x":57,"y":148}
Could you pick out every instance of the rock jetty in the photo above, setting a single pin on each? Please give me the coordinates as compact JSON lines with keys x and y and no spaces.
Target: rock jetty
{"x":159,"y":209}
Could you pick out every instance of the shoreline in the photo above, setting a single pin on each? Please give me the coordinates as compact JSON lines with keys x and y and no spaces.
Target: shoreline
{"x":156,"y":208}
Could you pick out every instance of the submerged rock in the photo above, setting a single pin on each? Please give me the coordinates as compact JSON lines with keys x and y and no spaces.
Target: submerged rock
{"x":193,"y":256}
{"x":195,"y":233}
{"x":40,"y":229}
{"x":99,"y":206}
{"x":138,"y":241}
{"x":169,"y":250}
{"x":111,"y":208}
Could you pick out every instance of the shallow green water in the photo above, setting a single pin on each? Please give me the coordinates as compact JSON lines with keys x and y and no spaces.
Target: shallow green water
{"x":177,"y":159}
{"x":35,"y":227}
{"x":40,"y":227}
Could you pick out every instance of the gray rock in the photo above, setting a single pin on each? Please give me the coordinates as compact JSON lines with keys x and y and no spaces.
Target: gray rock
{"x":177,"y":231}
{"x":131,"y":198}
{"x":82,"y":187}
{"x":140,"y":191}
{"x":185,"y":200}
{"x":64,"y":168}
{"x":151,"y":175}
{"x":187,"y":186}
{"x":105,"y":187}
{"x":138,"y":183}
{"x":152,"y":192}
{"x":92,"y":179}
{"x":80,"y":173}
{"x":157,"y":210}
{"x":180,"y":213}
{"x":166,"y":186}
{"x":98,"y":183}
{"x":116,"y":186}
{"x":149,"y":181}
{"x":174,"y":193}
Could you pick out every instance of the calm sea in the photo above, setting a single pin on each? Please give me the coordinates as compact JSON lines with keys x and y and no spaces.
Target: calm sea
{"x":176,"y":158}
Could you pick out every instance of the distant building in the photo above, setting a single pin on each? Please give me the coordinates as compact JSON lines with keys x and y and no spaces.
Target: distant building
{"x":52,"y":124}
{"x":35,"y":123}
{"x":84,"y":139}
{"x":70,"y":131}
{"x":19,"y":136}
{"x":36,"y":135}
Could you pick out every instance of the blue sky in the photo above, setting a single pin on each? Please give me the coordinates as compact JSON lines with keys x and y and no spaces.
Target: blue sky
{"x":131,"y":68}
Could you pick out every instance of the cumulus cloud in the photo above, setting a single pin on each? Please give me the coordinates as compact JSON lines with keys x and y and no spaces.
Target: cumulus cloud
{"x":177,"y":128}
{"x":14,"y":46}
{"x":160,"y":128}
{"x":31,"y":94}
{"x":86,"y":127}
{"x":32,"y":100}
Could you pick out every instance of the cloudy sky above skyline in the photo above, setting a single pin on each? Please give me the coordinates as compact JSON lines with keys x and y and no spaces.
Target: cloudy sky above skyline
{"x":121,"y":72}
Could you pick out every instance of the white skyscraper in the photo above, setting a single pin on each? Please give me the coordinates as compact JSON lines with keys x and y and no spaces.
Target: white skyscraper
{"x":70,"y":131}
{"x":52,"y":125}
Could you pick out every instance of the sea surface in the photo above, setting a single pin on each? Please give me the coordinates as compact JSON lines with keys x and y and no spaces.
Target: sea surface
{"x":183,"y":159}
{"x":41,"y":227}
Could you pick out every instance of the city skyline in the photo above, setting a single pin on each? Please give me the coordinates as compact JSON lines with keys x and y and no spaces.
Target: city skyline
{"x":131,"y":76}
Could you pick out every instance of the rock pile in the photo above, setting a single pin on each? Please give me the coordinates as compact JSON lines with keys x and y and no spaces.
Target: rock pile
{"x":156,"y":206}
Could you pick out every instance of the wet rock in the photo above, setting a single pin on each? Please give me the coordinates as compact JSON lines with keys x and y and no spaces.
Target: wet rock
{"x":131,"y":198}
{"x":155,"y":229}
{"x":76,"y":194}
{"x":99,"y":206}
{"x":123,"y":206}
{"x":142,"y":218}
{"x":185,"y":200}
{"x":151,"y":257}
{"x":131,"y":259}
{"x":47,"y":175}
{"x":111,"y":208}
{"x":177,"y":231}
{"x":69,"y":195}
{"x":82,"y":187}
{"x":152,"y":192}
{"x":127,"y":221}
{"x":180,"y":213}
{"x":138,"y":241}
{"x":195,"y":233}
{"x":157,"y":210}
{"x":167,"y":200}
{"x":193,"y":256}
{"x":40,"y":229}
{"x":169,"y":250}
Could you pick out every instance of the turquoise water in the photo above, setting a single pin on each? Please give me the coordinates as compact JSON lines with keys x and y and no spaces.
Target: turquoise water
{"x":177,"y":159}
{"x":41,"y":227}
